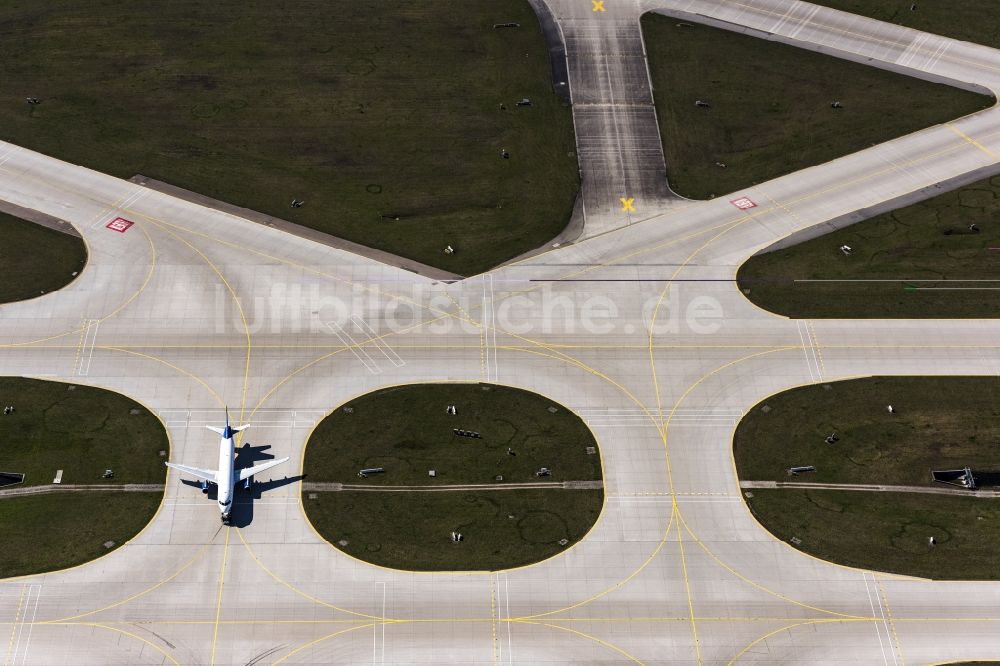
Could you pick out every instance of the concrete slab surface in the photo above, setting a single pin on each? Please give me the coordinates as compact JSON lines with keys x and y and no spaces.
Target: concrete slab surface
{"x":638,"y":328}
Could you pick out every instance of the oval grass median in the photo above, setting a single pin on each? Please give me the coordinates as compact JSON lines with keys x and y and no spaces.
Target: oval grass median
{"x":74,"y":433}
{"x":35,"y":260}
{"x":871,"y":502}
{"x":55,"y":531}
{"x":489,"y":489}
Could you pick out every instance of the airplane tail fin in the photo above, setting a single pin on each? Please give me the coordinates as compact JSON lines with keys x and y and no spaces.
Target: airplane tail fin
{"x":228,"y":431}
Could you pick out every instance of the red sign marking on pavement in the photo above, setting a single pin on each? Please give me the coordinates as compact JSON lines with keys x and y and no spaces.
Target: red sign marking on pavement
{"x":119,"y":224}
{"x":743,"y":203}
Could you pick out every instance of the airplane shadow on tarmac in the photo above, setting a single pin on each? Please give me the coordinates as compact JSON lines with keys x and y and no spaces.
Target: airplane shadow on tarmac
{"x":247,"y":456}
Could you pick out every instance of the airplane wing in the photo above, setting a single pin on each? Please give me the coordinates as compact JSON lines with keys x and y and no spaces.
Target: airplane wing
{"x":257,"y":469}
{"x":203,"y":474}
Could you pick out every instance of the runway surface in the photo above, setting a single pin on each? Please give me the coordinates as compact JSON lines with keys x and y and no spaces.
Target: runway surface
{"x":640,"y":329}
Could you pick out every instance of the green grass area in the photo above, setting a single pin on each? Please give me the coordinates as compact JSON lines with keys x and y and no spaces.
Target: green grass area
{"x":47,"y":532}
{"x":888,"y":532}
{"x":81,"y":430}
{"x":412,"y":530}
{"x":940,"y":423}
{"x":408,"y":431}
{"x":35,"y":259}
{"x":968,"y":20}
{"x":930,"y":241}
{"x":368,"y":113}
{"x":770,"y":109}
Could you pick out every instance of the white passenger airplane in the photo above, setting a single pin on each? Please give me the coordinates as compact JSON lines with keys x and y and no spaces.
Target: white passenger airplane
{"x":225,"y":478}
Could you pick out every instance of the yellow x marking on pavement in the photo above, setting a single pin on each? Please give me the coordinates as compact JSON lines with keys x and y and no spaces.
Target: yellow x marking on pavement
{"x":598,"y":5}
{"x":627,"y":204}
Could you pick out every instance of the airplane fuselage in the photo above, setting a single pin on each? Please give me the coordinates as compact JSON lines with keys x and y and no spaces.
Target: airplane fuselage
{"x":227,"y":477}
